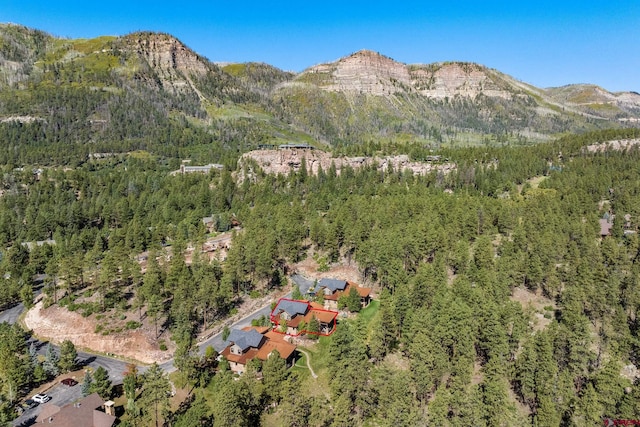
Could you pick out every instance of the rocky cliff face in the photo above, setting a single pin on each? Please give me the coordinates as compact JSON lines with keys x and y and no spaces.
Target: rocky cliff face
{"x":365,"y":72}
{"x":371,"y":73}
{"x":448,"y":80}
{"x":172,"y":61}
{"x":285,"y":161}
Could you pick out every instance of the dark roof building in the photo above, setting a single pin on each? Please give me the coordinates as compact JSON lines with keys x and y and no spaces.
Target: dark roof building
{"x":255,"y":343}
{"x":291,"y":307}
{"x":244,"y":339}
{"x":290,"y":314}
{"x":296,"y":146}
{"x":333,"y":284}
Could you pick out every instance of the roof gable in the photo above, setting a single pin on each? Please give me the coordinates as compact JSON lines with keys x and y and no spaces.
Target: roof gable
{"x":244,"y":339}
{"x":333,"y":284}
{"x":82,"y":413}
{"x":292,"y":307}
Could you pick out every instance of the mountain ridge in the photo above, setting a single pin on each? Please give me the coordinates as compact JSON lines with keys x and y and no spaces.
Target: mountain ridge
{"x":364,"y":96}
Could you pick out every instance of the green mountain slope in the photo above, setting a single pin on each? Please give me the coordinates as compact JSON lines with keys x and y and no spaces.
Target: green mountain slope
{"x":367,"y":94}
{"x":63,"y":99}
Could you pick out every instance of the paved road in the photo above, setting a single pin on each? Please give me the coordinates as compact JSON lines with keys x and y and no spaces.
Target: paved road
{"x":216,"y":341}
{"x":11,"y":315}
{"x":61,"y":395}
{"x":115,"y":367}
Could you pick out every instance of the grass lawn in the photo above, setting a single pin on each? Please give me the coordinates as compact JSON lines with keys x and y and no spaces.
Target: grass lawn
{"x":320,"y":351}
{"x":368,"y":312}
{"x":301,"y":367}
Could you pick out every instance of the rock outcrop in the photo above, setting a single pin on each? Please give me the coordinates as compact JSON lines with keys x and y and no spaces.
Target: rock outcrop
{"x":364,"y":71}
{"x":171,"y":60}
{"x":284,"y":161}
{"x":452,"y":79}
{"x":371,"y":73}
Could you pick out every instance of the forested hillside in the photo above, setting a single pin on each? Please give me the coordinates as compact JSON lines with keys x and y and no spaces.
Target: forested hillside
{"x":453,"y":258}
{"x":63,"y":99}
{"x":449,"y":344}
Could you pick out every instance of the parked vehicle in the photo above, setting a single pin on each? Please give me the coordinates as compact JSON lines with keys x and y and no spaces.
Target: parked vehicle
{"x":29,"y":403}
{"x":69,"y":382}
{"x":41,"y":398}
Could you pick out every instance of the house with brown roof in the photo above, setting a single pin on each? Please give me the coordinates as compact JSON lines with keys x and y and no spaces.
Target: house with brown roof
{"x":243,"y":345}
{"x":83,"y":413}
{"x":293,"y":317}
{"x":333,"y":289}
{"x":606,"y":224}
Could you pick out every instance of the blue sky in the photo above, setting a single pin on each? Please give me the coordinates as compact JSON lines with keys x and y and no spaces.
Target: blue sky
{"x":545,"y":43}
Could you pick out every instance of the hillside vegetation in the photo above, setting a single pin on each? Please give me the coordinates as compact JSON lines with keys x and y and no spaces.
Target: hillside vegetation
{"x":452,"y":257}
{"x":63,"y":99}
{"x":445,"y":254}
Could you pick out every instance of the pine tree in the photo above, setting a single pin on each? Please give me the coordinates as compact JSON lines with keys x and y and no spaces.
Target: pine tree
{"x":101,"y":383}
{"x":68,"y":355}
{"x":313,"y":328}
{"x":275,"y":373}
{"x":296,"y":293}
{"x":87,"y":383}
{"x":50,"y":363}
{"x":155,"y":391}
{"x":154,"y":310}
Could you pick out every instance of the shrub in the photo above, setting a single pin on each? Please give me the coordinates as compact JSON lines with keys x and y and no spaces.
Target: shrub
{"x":132,"y":324}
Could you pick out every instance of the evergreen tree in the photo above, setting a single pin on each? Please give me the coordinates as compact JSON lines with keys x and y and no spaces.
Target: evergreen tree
{"x":296,"y":293}
{"x":50,"y":363}
{"x":101,"y":383}
{"x":155,"y":391}
{"x":275,"y":373}
{"x":68,"y":355}
{"x":87,"y":383}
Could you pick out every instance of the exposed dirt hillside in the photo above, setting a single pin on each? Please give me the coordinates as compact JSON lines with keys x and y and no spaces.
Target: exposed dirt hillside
{"x":58,"y":324}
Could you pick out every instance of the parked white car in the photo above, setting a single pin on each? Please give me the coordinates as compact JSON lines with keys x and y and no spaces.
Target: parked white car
{"x":41,"y":398}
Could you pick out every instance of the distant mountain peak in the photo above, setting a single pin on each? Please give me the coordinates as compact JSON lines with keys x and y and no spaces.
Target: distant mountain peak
{"x":171,"y":60}
{"x":363,"y":71}
{"x":370,"y":72}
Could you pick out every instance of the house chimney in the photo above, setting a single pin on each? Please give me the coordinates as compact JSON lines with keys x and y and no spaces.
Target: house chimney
{"x":109,"y":408}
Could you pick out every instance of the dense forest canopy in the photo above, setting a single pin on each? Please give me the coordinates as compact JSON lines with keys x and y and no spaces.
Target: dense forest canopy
{"x":449,"y":341}
{"x":444,"y":252}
